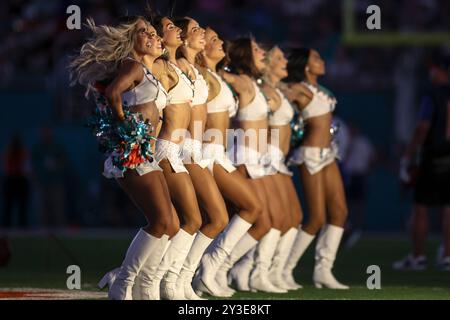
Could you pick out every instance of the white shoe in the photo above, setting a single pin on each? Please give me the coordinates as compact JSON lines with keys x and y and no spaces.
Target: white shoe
{"x":326,"y":249}
{"x":259,"y":278}
{"x":219,"y":252}
{"x":189,"y":293}
{"x":139,"y":250}
{"x":222,"y":282}
{"x":290,"y":281}
{"x":170,"y":291}
{"x":411,"y":263}
{"x":279,"y":259}
{"x":243,"y":247}
{"x":444,"y":264}
{"x":301,"y":243}
{"x":199,"y":246}
{"x":108,"y":279}
{"x":146,"y":286}
{"x":174,"y":257}
{"x":239,"y":275}
{"x":211,"y":288}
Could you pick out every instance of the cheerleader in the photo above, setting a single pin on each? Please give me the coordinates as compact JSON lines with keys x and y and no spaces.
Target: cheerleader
{"x":176,"y":115}
{"x":112,"y":62}
{"x":247,"y":61}
{"x":316,"y":158}
{"x":279,"y":123}
{"x":222,"y":105}
{"x":208,"y":194}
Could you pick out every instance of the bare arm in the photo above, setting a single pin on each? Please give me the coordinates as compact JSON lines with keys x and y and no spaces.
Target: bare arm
{"x":420,"y":133}
{"x":299,"y":94}
{"x":129,"y":74}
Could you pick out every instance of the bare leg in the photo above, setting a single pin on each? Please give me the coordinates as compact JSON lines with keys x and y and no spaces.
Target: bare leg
{"x":314,"y":189}
{"x":151,"y":195}
{"x":335,"y":195}
{"x":238,"y":190}
{"x":183,"y":197}
{"x":294,"y":202}
{"x":263,"y":224}
{"x":283,"y":213}
{"x":210,"y":200}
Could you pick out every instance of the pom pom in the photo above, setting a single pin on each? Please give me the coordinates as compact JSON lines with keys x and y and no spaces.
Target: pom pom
{"x":129,"y":142}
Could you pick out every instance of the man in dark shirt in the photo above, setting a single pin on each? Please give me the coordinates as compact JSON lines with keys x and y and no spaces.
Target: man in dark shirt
{"x":431,"y":178}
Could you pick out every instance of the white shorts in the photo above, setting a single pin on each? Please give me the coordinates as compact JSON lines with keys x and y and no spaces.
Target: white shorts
{"x":216,"y":152}
{"x":111,"y":171}
{"x":278,"y":160}
{"x":257,"y":165}
{"x":314,"y":158}
{"x":172,"y":152}
{"x":193,"y":153}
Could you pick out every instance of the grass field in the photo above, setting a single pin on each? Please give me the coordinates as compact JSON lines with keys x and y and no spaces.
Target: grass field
{"x":41,"y":262}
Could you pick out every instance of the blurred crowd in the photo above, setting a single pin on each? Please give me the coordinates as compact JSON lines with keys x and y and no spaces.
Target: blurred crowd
{"x":36,"y":46}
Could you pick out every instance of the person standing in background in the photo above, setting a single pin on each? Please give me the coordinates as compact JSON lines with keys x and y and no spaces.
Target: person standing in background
{"x":431,"y":176}
{"x":16,"y":188}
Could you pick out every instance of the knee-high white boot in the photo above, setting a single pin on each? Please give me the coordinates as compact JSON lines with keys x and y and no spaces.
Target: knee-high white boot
{"x":245,"y":244}
{"x":259,"y":278}
{"x":301,"y":243}
{"x":279,"y":259}
{"x":240,"y":273}
{"x":138,"y":252}
{"x":170,"y":266}
{"x":326,"y":249}
{"x":193,"y":258}
{"x":145,"y":287}
{"x":216,"y":256}
{"x":109,"y":278}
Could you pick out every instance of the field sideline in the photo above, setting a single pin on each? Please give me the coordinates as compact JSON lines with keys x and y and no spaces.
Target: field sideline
{"x":39,"y":263}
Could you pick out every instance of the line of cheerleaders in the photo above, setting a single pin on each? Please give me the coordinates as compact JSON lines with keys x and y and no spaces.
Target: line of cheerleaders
{"x":222,"y":215}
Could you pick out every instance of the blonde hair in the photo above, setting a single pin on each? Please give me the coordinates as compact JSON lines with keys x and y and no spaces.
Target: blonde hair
{"x":268,"y":58}
{"x":100,"y":57}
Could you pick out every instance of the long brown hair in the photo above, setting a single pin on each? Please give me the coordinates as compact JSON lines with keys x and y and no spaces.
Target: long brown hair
{"x":241,"y":57}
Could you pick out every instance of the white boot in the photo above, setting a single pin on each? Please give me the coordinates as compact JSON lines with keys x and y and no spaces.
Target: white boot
{"x":301,"y":243}
{"x":279,"y":259}
{"x":259,"y":278}
{"x":193,"y":258}
{"x":214,"y":258}
{"x":139,"y":250}
{"x":240,"y":273}
{"x":145,"y":287}
{"x":109,"y":278}
{"x":245,"y":244}
{"x":170,"y":266}
{"x":326,"y":249}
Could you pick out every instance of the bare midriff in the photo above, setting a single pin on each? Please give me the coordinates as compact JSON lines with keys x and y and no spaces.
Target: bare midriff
{"x":257,"y":131}
{"x":176,"y":121}
{"x":283,"y":134}
{"x":197,"y":121}
{"x":317,"y":131}
{"x":217,"y":125}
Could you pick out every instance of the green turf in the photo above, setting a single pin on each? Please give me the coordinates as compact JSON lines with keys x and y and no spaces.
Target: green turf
{"x":41,"y":262}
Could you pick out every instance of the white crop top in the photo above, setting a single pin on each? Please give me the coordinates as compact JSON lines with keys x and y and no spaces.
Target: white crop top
{"x":284,"y":114}
{"x":224,"y":101}
{"x":256,"y":110}
{"x":320,"y":104}
{"x":148,"y":90}
{"x":183,"y":92}
{"x":201,"y":89}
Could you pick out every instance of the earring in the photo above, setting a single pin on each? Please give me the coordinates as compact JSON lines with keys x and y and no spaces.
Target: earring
{"x":185,"y":43}
{"x":307,"y":69}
